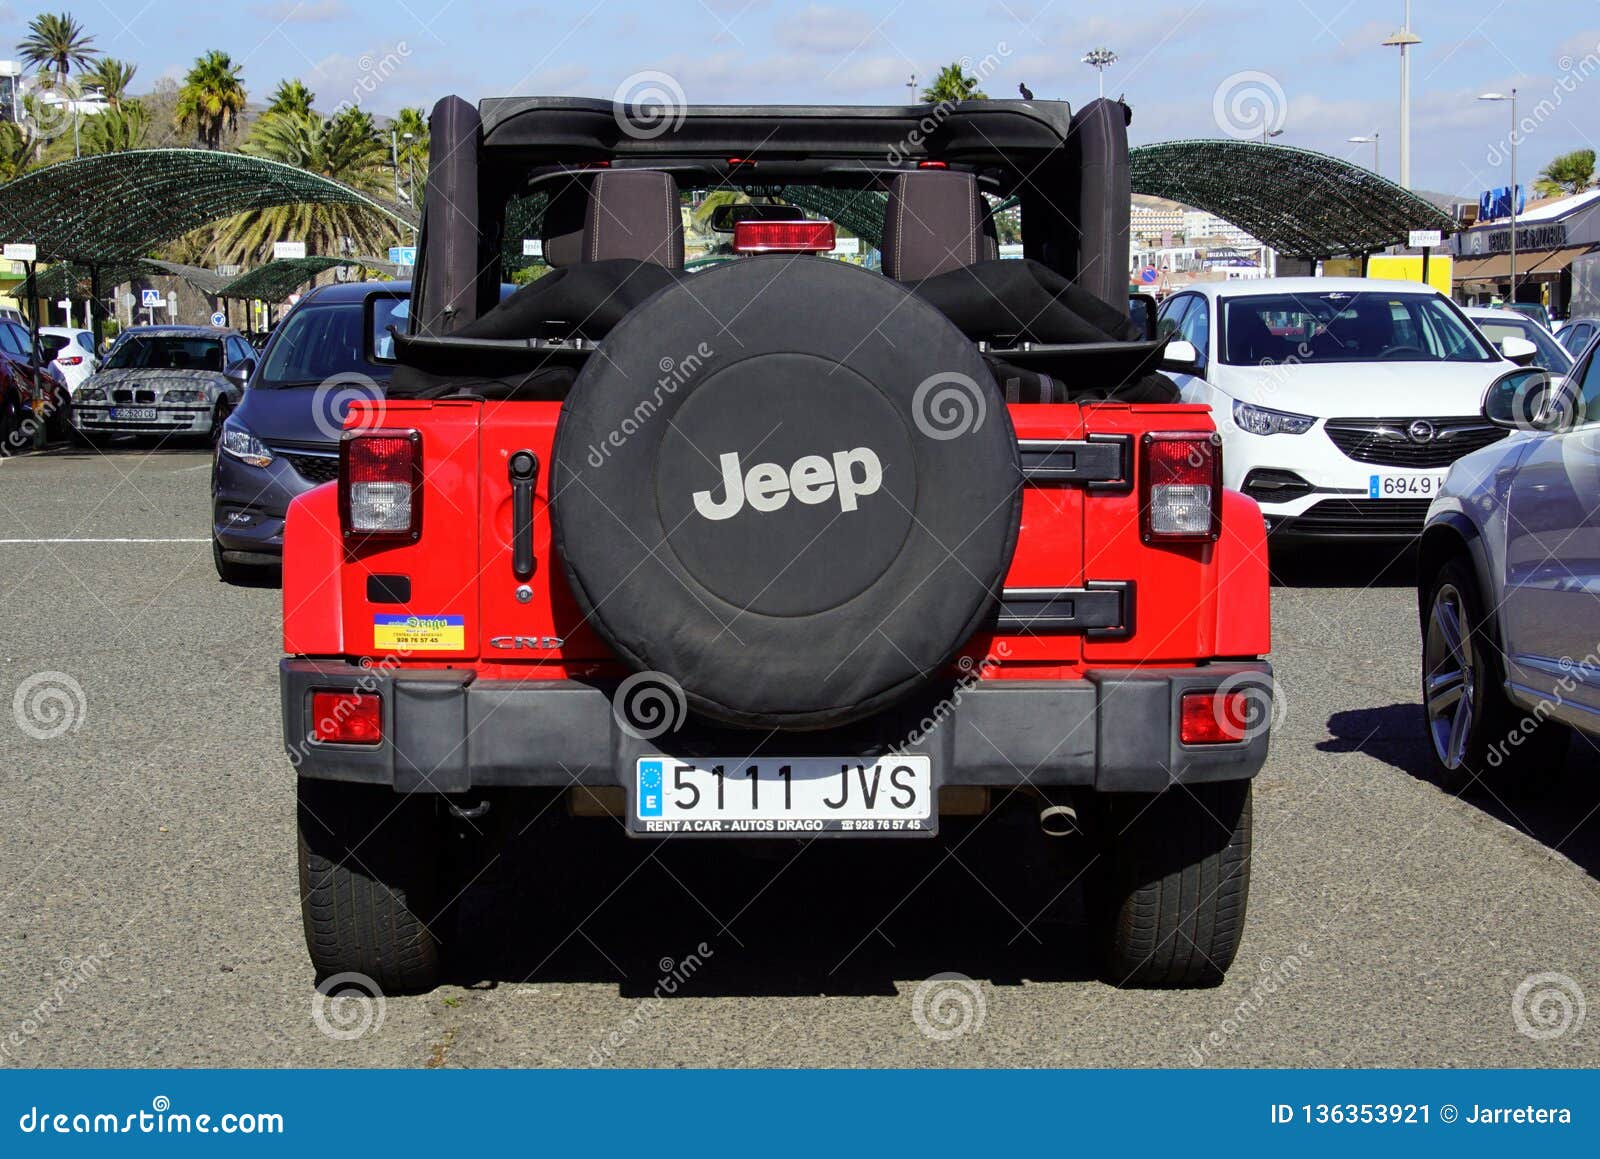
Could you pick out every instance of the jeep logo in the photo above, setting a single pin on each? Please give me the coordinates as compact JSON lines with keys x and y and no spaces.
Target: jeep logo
{"x":812,"y":480}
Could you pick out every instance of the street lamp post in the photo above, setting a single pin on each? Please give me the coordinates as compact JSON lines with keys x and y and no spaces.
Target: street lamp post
{"x":1373,"y":141}
{"x":1267,"y":133}
{"x":1403,"y":40}
{"x":1100,"y":59}
{"x":1512,"y":97}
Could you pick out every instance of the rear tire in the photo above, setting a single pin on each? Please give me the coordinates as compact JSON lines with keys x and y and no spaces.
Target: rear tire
{"x":1470,"y":721}
{"x":1171,"y":883}
{"x":370,"y":884}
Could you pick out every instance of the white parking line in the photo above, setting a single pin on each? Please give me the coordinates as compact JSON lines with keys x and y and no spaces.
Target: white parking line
{"x":11,"y":542}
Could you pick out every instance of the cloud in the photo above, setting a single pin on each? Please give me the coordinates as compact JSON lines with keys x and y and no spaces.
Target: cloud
{"x":824,"y":30}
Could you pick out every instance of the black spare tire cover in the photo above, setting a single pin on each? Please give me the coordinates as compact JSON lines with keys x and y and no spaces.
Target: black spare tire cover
{"x":789,"y":485}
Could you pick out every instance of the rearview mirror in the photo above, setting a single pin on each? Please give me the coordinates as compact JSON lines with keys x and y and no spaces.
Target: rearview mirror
{"x":1518,"y":350}
{"x":239,"y":373}
{"x":1529,"y":400}
{"x":1180,"y":357}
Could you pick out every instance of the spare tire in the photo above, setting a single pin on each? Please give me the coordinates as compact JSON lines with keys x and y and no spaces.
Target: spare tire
{"x":789,"y":485}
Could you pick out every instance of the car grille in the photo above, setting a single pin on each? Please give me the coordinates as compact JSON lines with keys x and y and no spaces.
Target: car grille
{"x":1363,"y":517}
{"x":133,"y":396}
{"x":1388,"y":442}
{"x":315,"y":468}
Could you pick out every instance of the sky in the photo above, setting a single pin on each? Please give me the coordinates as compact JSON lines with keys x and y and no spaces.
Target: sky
{"x":1189,"y":68}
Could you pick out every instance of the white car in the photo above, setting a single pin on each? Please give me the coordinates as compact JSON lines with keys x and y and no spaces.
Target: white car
{"x":1341,"y":402}
{"x":1497,"y":325}
{"x":72,"y":351}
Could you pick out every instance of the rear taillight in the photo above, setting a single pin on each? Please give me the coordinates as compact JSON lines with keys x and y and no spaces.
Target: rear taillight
{"x":346,"y":717}
{"x":782,"y":237}
{"x":72,"y":361}
{"x":380,"y":484}
{"x":1220,"y":717}
{"x":1181,"y":489}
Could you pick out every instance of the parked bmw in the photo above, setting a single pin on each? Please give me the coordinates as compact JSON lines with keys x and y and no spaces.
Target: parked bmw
{"x":284,"y":438}
{"x":165,"y":380}
{"x":1341,"y":402}
{"x":1508,"y":578}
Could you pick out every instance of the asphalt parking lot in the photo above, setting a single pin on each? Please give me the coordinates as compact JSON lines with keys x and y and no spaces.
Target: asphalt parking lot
{"x":149,"y":913}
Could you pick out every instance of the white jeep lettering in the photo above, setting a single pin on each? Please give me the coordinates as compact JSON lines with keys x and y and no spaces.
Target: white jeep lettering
{"x":813,"y":479}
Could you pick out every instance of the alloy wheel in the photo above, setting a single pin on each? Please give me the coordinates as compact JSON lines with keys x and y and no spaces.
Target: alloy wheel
{"x":1449,"y":677}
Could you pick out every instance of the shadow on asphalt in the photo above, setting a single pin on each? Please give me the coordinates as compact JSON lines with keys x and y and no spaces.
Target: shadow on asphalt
{"x":576,"y":900}
{"x":1344,"y":565}
{"x":1563,"y":815}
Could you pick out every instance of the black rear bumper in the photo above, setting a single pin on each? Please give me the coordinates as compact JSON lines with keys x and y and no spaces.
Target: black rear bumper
{"x":445,"y":731}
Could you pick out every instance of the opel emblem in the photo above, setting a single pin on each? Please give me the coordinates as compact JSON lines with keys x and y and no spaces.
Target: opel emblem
{"x":1421,"y":431}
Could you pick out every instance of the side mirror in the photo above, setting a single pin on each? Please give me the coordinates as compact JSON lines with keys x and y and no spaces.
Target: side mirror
{"x":239,"y":373}
{"x":1518,"y":350}
{"x":1529,"y":400}
{"x":1180,"y":357}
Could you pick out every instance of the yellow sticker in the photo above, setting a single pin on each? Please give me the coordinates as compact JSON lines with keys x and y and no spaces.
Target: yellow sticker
{"x":419,"y":633}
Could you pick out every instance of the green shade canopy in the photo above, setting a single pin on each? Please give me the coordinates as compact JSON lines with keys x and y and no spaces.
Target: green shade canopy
{"x":1301,"y":203}
{"x":116,"y":207}
{"x":276,"y":280}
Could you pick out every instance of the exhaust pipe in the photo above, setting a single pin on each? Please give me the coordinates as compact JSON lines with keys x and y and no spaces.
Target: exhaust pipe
{"x":1059,"y":821}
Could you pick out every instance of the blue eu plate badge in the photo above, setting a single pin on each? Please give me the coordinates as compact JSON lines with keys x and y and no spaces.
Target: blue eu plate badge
{"x":649,"y":788}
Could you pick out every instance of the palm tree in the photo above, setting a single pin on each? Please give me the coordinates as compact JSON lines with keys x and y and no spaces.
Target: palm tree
{"x":58,"y":42}
{"x":346,"y":147}
{"x":17,"y":149}
{"x":212,"y":97}
{"x":291,"y":96}
{"x":112,"y":77}
{"x":124,"y":127}
{"x":951,"y":85}
{"x":411,"y":132}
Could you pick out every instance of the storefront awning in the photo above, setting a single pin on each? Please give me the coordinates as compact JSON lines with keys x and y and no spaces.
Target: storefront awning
{"x":1497,"y":267}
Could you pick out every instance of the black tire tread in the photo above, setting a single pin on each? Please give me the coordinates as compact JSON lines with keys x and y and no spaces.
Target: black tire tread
{"x":1174,"y":885}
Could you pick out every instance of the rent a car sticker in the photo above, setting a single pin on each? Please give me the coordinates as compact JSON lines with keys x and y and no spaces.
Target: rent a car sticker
{"x":419,"y":633}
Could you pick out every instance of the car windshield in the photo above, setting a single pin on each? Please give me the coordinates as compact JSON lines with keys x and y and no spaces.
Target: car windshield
{"x":1550,"y":356}
{"x":316,"y":343}
{"x":1346,"y":326}
{"x":165,"y":352}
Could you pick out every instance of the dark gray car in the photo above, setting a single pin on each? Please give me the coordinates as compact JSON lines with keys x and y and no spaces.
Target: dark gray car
{"x":165,"y":380}
{"x":283,"y":440}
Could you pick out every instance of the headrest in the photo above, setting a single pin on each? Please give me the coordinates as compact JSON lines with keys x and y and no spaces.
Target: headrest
{"x":931,"y":224}
{"x":633,"y":213}
{"x":561,"y":228}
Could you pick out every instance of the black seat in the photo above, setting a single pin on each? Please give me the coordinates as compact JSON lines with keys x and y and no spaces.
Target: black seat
{"x":933,"y":224}
{"x":614,"y":213}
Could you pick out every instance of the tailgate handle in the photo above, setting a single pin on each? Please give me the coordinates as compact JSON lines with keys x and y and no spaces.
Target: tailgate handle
{"x":524,"y":468}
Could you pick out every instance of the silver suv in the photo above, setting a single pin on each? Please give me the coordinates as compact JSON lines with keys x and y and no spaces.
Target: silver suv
{"x":165,"y":380}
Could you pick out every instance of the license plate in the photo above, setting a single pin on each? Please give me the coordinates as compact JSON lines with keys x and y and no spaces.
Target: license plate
{"x":1404,"y":486}
{"x":783,"y":795}
{"x":134,"y":414}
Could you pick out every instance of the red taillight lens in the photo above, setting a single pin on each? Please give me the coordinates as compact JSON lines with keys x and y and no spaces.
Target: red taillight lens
{"x":1181,"y":493}
{"x":932,"y":165}
{"x":1214,"y":717}
{"x":380,"y":484}
{"x":72,"y":361}
{"x":782,"y":237}
{"x":346,"y":717}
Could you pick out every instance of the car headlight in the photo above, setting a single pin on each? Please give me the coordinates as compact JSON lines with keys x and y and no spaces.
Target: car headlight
{"x":184,"y":396}
{"x":242,"y":445}
{"x":92,"y":394}
{"x":1260,"y":420}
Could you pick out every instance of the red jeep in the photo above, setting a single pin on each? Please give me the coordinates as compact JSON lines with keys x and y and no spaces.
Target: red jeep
{"x":778,"y":546}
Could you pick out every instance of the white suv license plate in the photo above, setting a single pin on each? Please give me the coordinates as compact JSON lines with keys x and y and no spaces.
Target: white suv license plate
{"x":1404,"y":486}
{"x":783,"y":795}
